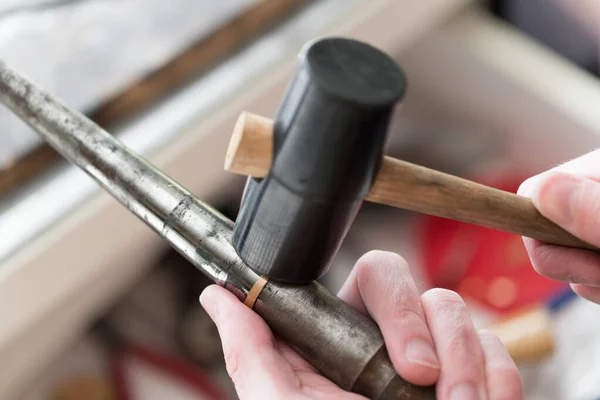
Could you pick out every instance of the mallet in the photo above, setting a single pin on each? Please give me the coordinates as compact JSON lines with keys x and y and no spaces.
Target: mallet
{"x":412,"y":187}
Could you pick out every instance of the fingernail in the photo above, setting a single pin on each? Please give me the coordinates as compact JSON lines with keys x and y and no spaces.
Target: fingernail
{"x":555,"y":196}
{"x":464,"y":391}
{"x":209,"y":304}
{"x":420,"y":352}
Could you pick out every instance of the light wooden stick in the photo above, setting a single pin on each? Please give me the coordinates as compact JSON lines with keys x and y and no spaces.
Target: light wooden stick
{"x":527,"y":336}
{"x":415,"y":188}
{"x":250,"y":149}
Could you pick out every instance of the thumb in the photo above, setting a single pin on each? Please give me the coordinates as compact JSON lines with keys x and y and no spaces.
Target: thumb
{"x":571,"y":201}
{"x":252,"y":357}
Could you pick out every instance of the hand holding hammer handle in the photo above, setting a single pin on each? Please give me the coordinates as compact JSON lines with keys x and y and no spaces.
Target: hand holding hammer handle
{"x":415,"y":188}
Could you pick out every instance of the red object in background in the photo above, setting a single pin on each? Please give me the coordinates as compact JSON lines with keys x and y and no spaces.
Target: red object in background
{"x":177,"y":368}
{"x":121,"y":349}
{"x":487,"y":266}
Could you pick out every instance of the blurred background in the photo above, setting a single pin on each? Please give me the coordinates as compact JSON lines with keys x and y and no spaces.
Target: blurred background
{"x":92,"y":303}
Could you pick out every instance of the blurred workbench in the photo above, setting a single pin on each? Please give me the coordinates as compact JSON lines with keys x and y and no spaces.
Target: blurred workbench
{"x":102,"y":63}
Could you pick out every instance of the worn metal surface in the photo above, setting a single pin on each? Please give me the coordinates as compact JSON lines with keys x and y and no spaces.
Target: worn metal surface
{"x":198,"y":232}
{"x":332,"y":336}
{"x":341,"y":343}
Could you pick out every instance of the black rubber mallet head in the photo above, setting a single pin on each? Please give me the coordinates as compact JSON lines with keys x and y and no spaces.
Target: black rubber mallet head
{"x":329,"y":136}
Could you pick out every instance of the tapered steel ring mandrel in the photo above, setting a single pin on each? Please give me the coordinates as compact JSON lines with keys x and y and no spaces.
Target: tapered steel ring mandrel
{"x":344,"y":345}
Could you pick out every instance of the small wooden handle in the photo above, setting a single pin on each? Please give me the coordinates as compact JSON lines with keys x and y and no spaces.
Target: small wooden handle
{"x":250,"y":150}
{"x":527,"y":336}
{"x":415,"y":188}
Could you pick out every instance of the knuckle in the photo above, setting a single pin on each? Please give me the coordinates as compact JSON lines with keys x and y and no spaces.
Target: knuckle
{"x":404,"y":300}
{"x":462,"y":343}
{"x":541,"y":260}
{"x":364,"y":269}
{"x":374,"y":265}
{"x":489,"y":337}
{"x":554,"y":265}
{"x":379,"y":258}
{"x":444,"y":298}
{"x":544,"y":260}
{"x":462,"y":346}
{"x":407,"y":316}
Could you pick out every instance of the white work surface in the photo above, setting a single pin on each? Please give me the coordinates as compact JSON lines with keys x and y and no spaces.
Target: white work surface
{"x":93,"y":49}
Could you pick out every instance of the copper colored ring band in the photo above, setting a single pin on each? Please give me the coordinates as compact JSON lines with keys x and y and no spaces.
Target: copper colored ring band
{"x":255,"y":292}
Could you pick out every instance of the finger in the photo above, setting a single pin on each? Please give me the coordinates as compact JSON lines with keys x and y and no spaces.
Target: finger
{"x":381,"y":285}
{"x":564,"y":263}
{"x":252,"y":356}
{"x":503,"y":380}
{"x":571,"y":201}
{"x":587,"y":292}
{"x":458,"y":347}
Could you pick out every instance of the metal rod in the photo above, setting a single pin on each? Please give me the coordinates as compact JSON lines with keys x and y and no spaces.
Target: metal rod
{"x":341,"y":343}
{"x":197,"y":231}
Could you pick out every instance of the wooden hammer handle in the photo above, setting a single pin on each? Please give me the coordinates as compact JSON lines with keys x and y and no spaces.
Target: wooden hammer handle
{"x":415,"y":188}
{"x":527,"y":336}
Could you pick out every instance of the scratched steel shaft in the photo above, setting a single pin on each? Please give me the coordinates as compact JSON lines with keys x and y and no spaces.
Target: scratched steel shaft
{"x":195,"y":229}
{"x":345,"y":346}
